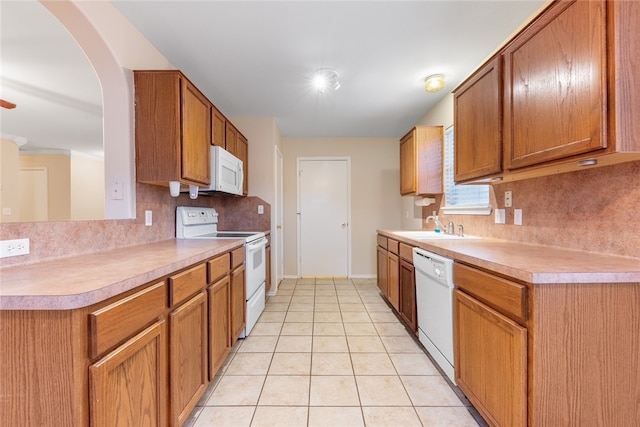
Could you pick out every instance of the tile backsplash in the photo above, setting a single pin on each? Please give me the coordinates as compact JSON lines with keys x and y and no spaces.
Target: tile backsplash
{"x":49,"y":240}
{"x":594,"y":209}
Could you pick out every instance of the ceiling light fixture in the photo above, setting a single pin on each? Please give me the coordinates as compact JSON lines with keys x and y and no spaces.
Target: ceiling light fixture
{"x":325,"y":78}
{"x":434,"y":83}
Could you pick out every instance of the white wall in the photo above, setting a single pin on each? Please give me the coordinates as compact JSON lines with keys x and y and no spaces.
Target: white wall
{"x":375,"y":196}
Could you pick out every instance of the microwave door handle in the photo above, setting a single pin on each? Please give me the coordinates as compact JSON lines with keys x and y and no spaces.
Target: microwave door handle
{"x":240,"y":172}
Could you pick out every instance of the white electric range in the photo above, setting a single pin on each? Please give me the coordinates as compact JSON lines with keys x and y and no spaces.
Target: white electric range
{"x":202,"y":223}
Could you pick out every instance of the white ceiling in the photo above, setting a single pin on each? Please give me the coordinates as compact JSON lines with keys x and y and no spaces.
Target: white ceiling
{"x":256,"y":58}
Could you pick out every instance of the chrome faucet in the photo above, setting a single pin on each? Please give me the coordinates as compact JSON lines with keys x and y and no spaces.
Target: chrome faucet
{"x":439,"y":226}
{"x":450,"y":228}
{"x":460,"y":230}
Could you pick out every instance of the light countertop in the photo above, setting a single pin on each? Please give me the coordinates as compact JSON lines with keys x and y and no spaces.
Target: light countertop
{"x":536,"y":264}
{"x":80,"y":281}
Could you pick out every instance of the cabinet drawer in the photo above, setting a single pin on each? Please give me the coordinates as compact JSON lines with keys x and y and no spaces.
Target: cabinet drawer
{"x":218,"y":267}
{"x":504,"y":295}
{"x":392,"y":246}
{"x":237,"y":257}
{"x":188,"y":283}
{"x":406,"y":252}
{"x":382,"y":241}
{"x":120,"y":320}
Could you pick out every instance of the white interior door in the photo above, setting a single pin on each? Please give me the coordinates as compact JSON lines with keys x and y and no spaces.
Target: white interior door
{"x":34,"y":194}
{"x":324,"y":214}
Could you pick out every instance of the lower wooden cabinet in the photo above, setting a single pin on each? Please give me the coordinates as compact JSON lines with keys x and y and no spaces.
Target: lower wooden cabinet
{"x":393,"y":280}
{"x":188,"y":355}
{"x":219,"y":331}
{"x":127,"y":387}
{"x":490,"y":361}
{"x":383,"y":270}
{"x":238,"y":302}
{"x":408,"y":309}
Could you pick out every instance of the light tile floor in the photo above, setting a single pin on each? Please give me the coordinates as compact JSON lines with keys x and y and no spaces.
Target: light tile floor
{"x":329,"y":352}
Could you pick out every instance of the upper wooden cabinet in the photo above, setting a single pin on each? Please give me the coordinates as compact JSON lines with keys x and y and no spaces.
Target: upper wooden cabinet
{"x":478,"y":123}
{"x":421,"y":161}
{"x":242,"y":152}
{"x":173,"y":129}
{"x":218,"y":131}
{"x":555,"y":86}
{"x":567,"y":97}
{"x":231,"y":136}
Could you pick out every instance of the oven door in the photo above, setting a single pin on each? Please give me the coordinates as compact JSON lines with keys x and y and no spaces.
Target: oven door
{"x":255,"y":265}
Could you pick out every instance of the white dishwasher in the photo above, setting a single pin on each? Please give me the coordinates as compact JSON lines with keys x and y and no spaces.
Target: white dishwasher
{"x":434,"y":299}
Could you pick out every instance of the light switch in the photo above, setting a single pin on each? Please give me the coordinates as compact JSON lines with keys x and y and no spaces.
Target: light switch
{"x":500,"y":216}
{"x":517,"y":216}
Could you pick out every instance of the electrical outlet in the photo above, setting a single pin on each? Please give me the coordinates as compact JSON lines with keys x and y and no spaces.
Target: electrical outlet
{"x":508,"y":199}
{"x":500,"y":216}
{"x":15,"y":247}
{"x":260,"y":209}
{"x":148,"y":218}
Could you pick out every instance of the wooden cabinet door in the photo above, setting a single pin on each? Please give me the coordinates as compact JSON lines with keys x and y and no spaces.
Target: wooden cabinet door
{"x":556,"y":86}
{"x":218,"y":124}
{"x":219,"y":331}
{"x":242,"y":149}
{"x":238,"y":302}
{"x":408,"y":309}
{"x":408,"y":164}
{"x":128,"y":386}
{"x":393,"y":283}
{"x":196,"y":134}
{"x":188,"y":357}
{"x":267,"y":261}
{"x":478,"y":124}
{"x":382,"y":270}
{"x":490,"y":361}
{"x":230,"y":138}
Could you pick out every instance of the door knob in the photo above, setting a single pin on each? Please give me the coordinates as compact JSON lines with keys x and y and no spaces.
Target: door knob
{"x":278,"y":227}
{"x":344,"y":224}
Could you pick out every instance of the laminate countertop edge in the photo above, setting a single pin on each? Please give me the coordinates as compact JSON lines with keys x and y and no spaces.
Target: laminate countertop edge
{"x":84,"y":280}
{"x":531,"y":263}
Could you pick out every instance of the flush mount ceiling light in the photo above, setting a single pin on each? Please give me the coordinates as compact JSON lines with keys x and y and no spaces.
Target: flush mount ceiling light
{"x":325,"y":78}
{"x":434,"y":83}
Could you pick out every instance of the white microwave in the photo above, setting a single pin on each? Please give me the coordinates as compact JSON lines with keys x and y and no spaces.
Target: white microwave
{"x":226,"y":172}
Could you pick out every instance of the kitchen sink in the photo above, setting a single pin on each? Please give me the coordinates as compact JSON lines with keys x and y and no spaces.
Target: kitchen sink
{"x":431,"y":235}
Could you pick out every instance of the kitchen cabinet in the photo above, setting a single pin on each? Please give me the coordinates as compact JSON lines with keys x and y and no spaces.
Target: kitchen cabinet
{"x":188,"y":355}
{"x":242,"y":152}
{"x":267,"y":258}
{"x":218,"y":125}
{"x":490,"y":345}
{"x":231,"y":138}
{"x":421,"y":161}
{"x":478,"y":124}
{"x":393,"y":274}
{"x":491,"y":361}
{"x":172,"y":129}
{"x":382,"y":265}
{"x":128,"y":385}
{"x":237,"y":294}
{"x":408,"y":309}
{"x":566,"y":102}
{"x":555,"y":86}
{"x":219,"y":312}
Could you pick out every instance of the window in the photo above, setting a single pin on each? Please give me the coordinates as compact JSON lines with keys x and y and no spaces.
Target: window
{"x":461,"y":199}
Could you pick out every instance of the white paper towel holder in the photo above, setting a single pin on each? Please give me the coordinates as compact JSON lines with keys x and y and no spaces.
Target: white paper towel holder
{"x":426,"y":201}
